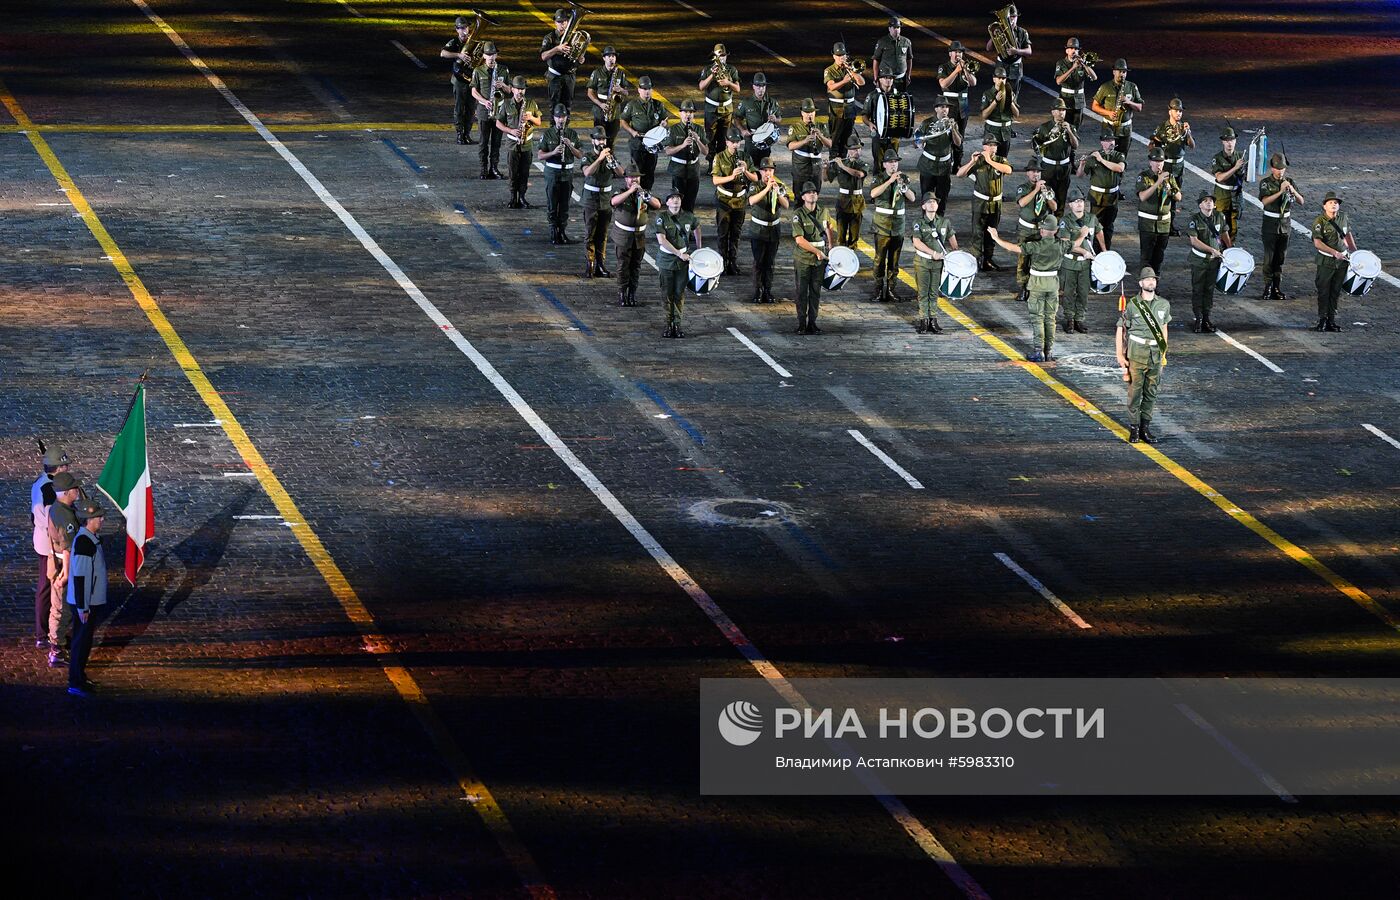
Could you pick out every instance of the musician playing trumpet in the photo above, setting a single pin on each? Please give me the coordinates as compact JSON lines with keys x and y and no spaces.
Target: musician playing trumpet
{"x":1055,"y":142}
{"x":889,"y":195}
{"x":559,"y":74}
{"x":719,"y":81}
{"x":1034,"y":201}
{"x":733,"y":177}
{"x":600,"y":167}
{"x":841,"y":80}
{"x":559,"y":151}
{"x":1173,"y":136}
{"x":955,"y":80}
{"x":1277,"y":194}
{"x":1071,"y":72}
{"x":632,"y":212}
{"x":765,"y":228}
{"x":849,"y":174}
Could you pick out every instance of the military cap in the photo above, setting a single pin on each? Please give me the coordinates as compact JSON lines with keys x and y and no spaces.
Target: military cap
{"x":940,"y":100}
{"x":1049,"y":223}
{"x":687,"y":105}
{"x":1120,"y":65}
{"x":560,"y":110}
{"x":1059,"y":104}
{"x":1227,"y":133}
{"x":488,"y":47}
{"x":855,"y":143}
{"x":65,"y":481}
{"x":1176,"y":104}
{"x":1278,"y":161}
{"x":1147,"y":272}
{"x":886,"y":75}
{"x":600,"y":133}
{"x":999,"y":72}
{"x":808,"y":105}
{"x":759,"y":78}
{"x":1156,"y":154}
{"x":631,"y":171}
{"x":1203,"y":196}
{"x":1106,"y":133}
{"x":1072,"y":42}
{"x":518,"y":81}
{"x":88,"y":509}
{"x":988,"y":139}
{"x":461,"y":22}
{"x":1033,"y":164}
{"x":956,"y":47}
{"x":720,"y":51}
{"x":890,"y":156}
{"x":735,"y":135}
{"x":561,"y":15}
{"x":644,"y":83}
{"x":1331,"y":195}
{"x":54,"y":457}
{"x":767,"y":163}
{"x":895,"y":23}
{"x":610,"y":50}
{"x":1075,"y":194}
{"x":838,"y":49}
{"x":1011,"y":10}
{"x":809,"y":187}
{"x":928,"y":195}
{"x":675,"y":192}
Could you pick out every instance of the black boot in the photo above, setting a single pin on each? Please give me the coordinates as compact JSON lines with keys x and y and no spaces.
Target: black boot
{"x":1146,"y":431}
{"x":1195,"y":324}
{"x":602,"y":271}
{"x":1332,"y":324}
{"x":1079,"y":327}
{"x":1069,"y":326}
{"x":554,"y":235}
{"x":564,"y":238}
{"x":934,"y":327}
{"x":670,"y":331}
{"x":1321,"y":324}
{"x":462,"y":137}
{"x":589,"y":270}
{"x":921,"y":326}
{"x":622,"y":296}
{"x":526,"y":204}
{"x":1207,"y":326}
{"x":485,"y":173}
{"x":1133,"y":434}
{"x":515,"y":201}
{"x":1279,"y":295}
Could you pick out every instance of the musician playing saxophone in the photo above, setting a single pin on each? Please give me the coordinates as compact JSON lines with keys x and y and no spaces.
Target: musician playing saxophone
{"x":515,"y":118}
{"x":559,"y":74}
{"x":939,"y":140}
{"x":841,"y":80}
{"x":607,"y":88}
{"x":1173,"y":136}
{"x":1116,"y":101}
{"x":488,"y":85}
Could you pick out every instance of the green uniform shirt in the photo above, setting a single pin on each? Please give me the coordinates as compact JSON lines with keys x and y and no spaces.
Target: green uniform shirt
{"x":1051,"y":144}
{"x":1028,"y":217}
{"x":842,"y":95}
{"x":936,"y":156}
{"x":1046,"y":256}
{"x":998,"y":124}
{"x":600,"y":82}
{"x":1172,"y":140}
{"x":889,"y":208}
{"x":678,"y":230}
{"x":559,"y":64}
{"x":1020,"y":39}
{"x":1207,"y":230}
{"x":1141,"y":345}
{"x":1104,"y":183}
{"x":484,"y":82}
{"x":563,"y":166}
{"x":687,"y":160}
{"x":850,"y":198}
{"x":1277,"y":215}
{"x":602,"y":179}
{"x":720,"y":97}
{"x":956,"y":91}
{"x":508,"y":113}
{"x":1155,"y":213}
{"x":894,"y":56}
{"x":460,"y":73}
{"x":632,"y":213}
{"x":1229,"y":190}
{"x":735,"y":194}
{"x":1107,"y":97}
{"x":1331,"y":232}
{"x":751,"y":114}
{"x":936,"y":233}
{"x":1072,"y":88}
{"x":63,"y":527}
{"x":800,"y":131}
{"x":987,"y":180}
{"x":1070,"y":227}
{"x":812,"y":226}
{"x":643,"y":115}
{"x":765,"y":222}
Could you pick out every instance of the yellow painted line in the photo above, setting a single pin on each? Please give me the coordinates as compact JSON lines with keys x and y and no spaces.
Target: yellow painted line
{"x":1181,"y":473}
{"x":290,"y":128}
{"x":471,"y":787}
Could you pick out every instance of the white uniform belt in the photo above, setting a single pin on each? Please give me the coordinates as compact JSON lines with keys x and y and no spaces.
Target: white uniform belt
{"x":806,"y":154}
{"x":1071,"y":257}
{"x":981,"y":196}
{"x":1141,"y":340}
{"x":1274,"y":215}
{"x":1326,"y":254}
{"x":729,"y":102}
{"x":1200,"y":254}
{"x":1173,"y":159}
{"x":1044,"y":274}
{"x":720,"y":190}
{"x":757,"y":221}
{"x":1153,"y":216}
{"x":886,"y":211}
{"x":554,"y":71}
{"x":1055,"y":162}
{"x":1224,"y":184}
{"x":998,"y":124}
{"x":559,"y":165}
{"x":1105,"y":190}
{"x":1027,"y":225}
{"x":598,"y":190}
{"x":944,"y":158}
{"x":847,"y":191}
{"x":686,"y":162}
{"x":662,"y":248}
{"x":818,"y":244}
{"x":629,"y":227}
{"x":835,"y":99}
{"x":958,"y":94}
{"x":1073,"y":90}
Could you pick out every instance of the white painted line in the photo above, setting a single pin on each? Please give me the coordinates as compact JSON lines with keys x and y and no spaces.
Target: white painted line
{"x":1382,"y":435}
{"x":214,"y":424}
{"x":759,"y":352}
{"x":353,"y":10}
{"x":773,"y":53}
{"x":240,"y":475}
{"x":53,"y":204}
{"x":409,"y":53}
{"x":651,"y":262}
{"x":1041,"y":589}
{"x":884,"y":457}
{"x":1239,"y":346}
{"x":1239,"y":755}
{"x":257,"y":517}
{"x":698,"y":12}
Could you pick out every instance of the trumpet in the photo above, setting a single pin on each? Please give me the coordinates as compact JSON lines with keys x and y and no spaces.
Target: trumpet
{"x":717,"y":65}
{"x":855,"y":69}
{"x":574,"y":37}
{"x":971,"y":66}
{"x":1088,"y":59}
{"x":778,"y":184}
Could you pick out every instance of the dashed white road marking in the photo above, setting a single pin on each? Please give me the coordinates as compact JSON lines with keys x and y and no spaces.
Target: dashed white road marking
{"x":353,"y":10}
{"x":1041,"y":589}
{"x":759,"y":352}
{"x":1239,"y":755}
{"x":698,"y":12}
{"x":409,"y":53}
{"x":773,"y":53}
{"x":884,"y":457}
{"x":214,"y":424}
{"x":1254,"y":353}
{"x":1381,"y":434}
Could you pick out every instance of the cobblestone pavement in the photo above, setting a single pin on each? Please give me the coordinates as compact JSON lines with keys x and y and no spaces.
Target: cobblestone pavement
{"x":246,"y":742}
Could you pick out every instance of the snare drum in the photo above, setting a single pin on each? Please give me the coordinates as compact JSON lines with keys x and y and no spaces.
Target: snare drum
{"x":706,"y":265}
{"x":653,"y":139}
{"x":1236,"y":265}
{"x":892,"y":116}
{"x":764,"y":136}
{"x":842,"y":264}
{"x":959,"y":269}
{"x":1107,"y":271}
{"x":1363,"y":271}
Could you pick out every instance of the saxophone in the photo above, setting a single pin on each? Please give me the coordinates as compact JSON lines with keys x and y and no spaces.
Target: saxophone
{"x":614,"y":98}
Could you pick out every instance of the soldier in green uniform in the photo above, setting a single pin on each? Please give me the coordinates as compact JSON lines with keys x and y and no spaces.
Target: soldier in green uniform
{"x":849,"y":174}
{"x":1046,"y":253}
{"x":559,"y":151}
{"x":675,"y":229}
{"x":489,"y":81}
{"x":600,"y":167}
{"x":639,"y":116}
{"x":1116,"y":101}
{"x":879,"y":144}
{"x":811,"y":236}
{"x":684,"y":146}
{"x":894,"y":56}
{"x":807,"y":139}
{"x":733,"y":177}
{"x":1277,"y":193}
{"x":1020,"y":50}
{"x":1081,"y":230}
{"x":1209,"y":239}
{"x":999,"y":110}
{"x":765,"y":229}
{"x":1071,"y":73}
{"x":1156,"y":190}
{"x":516,"y":119}
{"x":1105,"y":169}
{"x":933,"y":241}
{"x":955,"y":82}
{"x":889,"y":194}
{"x":939,"y":141}
{"x":455,"y":50}
{"x":841,"y":81}
{"x":607,"y":91}
{"x":1334,"y":242}
{"x":988,"y":168}
{"x":1141,"y":342}
{"x":632,"y":208}
{"x":559,"y":77}
{"x":1228,"y":171}
{"x":1055,"y":142}
{"x":755,"y":112}
{"x":718,"y":80}
{"x":1034,"y":201}
{"x":62,"y":528}
{"x":1173,"y":136}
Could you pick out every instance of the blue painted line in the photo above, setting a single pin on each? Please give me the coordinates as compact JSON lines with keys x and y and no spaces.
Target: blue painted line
{"x":402,"y":155}
{"x":809,"y":542}
{"x":547,"y":294}
{"x":666,"y":408}
{"x":330,"y":89}
{"x":480,"y":229}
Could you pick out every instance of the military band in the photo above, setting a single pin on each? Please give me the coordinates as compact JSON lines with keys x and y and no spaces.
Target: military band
{"x":1228,"y":171}
{"x":600,"y":167}
{"x":1277,"y":193}
{"x":733,"y":178}
{"x":719,"y":81}
{"x":1016,"y":51}
{"x":559,"y":151}
{"x":1333,"y":239}
{"x":632,"y":211}
{"x":767,"y":204}
{"x":1173,"y":137}
{"x":1055,"y":142}
{"x":933,"y":241}
{"x":880,"y":144}
{"x":889,"y":194}
{"x":812,"y":238}
{"x":1209,"y":241}
{"x":894,"y":56}
{"x":1116,"y":101}
{"x":462,"y":108}
{"x":1071,"y":74}
{"x":842,"y":80}
{"x":753,"y":113}
{"x":607,"y":92}
{"x":1045,"y":253}
{"x":641,"y":114}
{"x":488,"y":86}
{"x":999,"y":111}
{"x":850,"y":175}
{"x":956,"y":80}
{"x":1034,"y":201}
{"x":1104,"y":167}
{"x":939,"y":139}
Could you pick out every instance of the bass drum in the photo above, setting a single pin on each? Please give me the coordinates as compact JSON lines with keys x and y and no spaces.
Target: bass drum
{"x":892,"y":116}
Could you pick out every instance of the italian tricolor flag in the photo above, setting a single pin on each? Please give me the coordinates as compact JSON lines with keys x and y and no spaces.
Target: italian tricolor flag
{"x":126,"y":480}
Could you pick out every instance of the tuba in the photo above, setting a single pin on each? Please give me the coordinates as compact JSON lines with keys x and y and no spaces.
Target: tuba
{"x":1002,"y":34}
{"x":574,"y":37}
{"x":472,"y":45}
